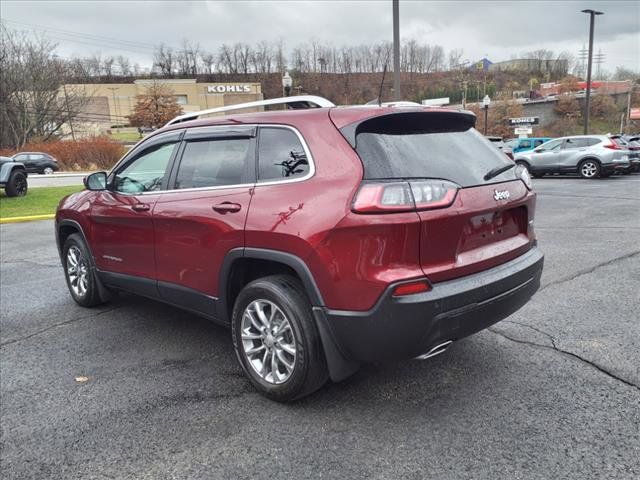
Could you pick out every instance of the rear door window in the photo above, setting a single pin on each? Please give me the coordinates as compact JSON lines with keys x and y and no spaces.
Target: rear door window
{"x":215,"y":162}
{"x":570,"y":143}
{"x":463,"y":157}
{"x":281,"y":155}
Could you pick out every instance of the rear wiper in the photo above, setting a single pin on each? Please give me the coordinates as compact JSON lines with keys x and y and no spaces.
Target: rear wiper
{"x":494,"y":172}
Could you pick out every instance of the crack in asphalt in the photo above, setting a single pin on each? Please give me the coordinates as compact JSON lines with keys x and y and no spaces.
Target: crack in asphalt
{"x":555,"y":348}
{"x":31,"y":262}
{"x":589,"y":270}
{"x":51,"y":327}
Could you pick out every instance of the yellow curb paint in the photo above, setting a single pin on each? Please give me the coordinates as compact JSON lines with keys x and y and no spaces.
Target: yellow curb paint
{"x":48,"y":216}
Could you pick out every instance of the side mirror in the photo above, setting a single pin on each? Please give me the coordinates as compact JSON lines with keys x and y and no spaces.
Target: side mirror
{"x":96,"y":181}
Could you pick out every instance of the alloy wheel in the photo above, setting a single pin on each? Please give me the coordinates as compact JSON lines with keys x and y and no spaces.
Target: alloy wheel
{"x":268,"y":342}
{"x":589,"y":169}
{"x":21,"y":185}
{"x":77,"y":271}
{"x":48,"y":171}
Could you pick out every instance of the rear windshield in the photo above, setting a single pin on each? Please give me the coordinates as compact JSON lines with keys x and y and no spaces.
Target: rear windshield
{"x":463,"y":157}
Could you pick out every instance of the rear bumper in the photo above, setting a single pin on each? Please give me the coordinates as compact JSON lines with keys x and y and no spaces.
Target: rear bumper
{"x":405,"y":327}
{"x":615,"y":167}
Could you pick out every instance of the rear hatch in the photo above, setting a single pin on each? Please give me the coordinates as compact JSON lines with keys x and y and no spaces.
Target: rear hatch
{"x":439,"y":165}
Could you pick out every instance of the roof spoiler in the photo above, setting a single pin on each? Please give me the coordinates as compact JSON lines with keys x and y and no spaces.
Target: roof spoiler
{"x":409,"y":122}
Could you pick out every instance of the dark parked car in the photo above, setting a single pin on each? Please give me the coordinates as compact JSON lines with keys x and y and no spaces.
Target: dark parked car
{"x":37,"y":162}
{"x":325,"y":237}
{"x":13,"y":177}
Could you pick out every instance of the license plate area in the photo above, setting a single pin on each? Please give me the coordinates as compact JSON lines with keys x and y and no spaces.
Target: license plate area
{"x":491,"y":227}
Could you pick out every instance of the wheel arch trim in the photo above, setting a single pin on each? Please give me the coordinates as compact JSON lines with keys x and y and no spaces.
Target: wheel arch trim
{"x":294,"y":262}
{"x":102,"y":291}
{"x":340,"y":366}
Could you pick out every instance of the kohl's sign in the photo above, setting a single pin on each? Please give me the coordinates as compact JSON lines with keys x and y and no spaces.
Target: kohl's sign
{"x":229,"y":89}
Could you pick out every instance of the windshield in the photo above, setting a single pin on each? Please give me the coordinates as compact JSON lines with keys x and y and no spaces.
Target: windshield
{"x":463,"y":157}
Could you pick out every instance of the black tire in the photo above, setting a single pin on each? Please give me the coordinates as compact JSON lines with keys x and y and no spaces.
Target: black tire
{"x":17,"y":184}
{"x":309,"y":371}
{"x":90,"y":297}
{"x":524,"y":164}
{"x":589,"y":168}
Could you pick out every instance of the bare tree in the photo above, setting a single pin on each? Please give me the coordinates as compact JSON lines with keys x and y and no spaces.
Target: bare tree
{"x":34,"y":101}
{"x":208,"y":60}
{"x":455,"y":57}
{"x":187,"y":58}
{"x":107,"y":66}
{"x":164,"y":60}
{"x":244,"y":55}
{"x":123,"y":65}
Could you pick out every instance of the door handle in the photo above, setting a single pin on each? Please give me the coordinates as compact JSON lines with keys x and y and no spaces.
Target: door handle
{"x":227,"y":207}
{"x":140,"y":207}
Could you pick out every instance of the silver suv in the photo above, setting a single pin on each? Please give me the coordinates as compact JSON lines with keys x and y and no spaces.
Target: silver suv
{"x":590,"y":156}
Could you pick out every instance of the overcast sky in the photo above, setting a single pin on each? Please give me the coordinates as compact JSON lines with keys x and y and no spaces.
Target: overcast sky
{"x":498,"y":29}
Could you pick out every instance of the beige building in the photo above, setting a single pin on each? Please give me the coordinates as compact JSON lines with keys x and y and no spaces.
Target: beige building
{"x":111,"y":103}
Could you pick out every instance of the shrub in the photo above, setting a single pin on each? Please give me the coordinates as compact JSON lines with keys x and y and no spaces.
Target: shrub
{"x":91,"y":153}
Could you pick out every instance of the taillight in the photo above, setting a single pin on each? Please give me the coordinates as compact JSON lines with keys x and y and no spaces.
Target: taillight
{"x":613,"y":146}
{"x":389,"y":197}
{"x":523,"y":174}
{"x":430,"y":194}
{"x":411,"y":288}
{"x":383,"y":197}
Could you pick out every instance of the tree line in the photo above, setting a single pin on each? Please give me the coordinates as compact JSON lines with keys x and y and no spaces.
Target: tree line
{"x":190,"y":58}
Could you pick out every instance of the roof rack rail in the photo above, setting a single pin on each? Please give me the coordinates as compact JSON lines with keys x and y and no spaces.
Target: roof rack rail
{"x":299,"y":101}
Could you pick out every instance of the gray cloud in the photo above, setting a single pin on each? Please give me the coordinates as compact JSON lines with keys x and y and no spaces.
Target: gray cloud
{"x":499,"y":29}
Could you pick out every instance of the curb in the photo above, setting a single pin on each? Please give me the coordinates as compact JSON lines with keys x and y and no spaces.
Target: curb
{"x":47,"y":216}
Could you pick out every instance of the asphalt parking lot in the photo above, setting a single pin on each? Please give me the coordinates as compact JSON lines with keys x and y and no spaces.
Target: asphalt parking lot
{"x":551,"y":392}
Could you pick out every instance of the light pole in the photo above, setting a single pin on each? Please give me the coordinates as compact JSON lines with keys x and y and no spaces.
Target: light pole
{"x":485,"y":103}
{"x":287,"y":82}
{"x":592,"y":16}
{"x":396,"y":50}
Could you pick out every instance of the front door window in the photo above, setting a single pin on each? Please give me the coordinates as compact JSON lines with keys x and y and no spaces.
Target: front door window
{"x":147,"y":172}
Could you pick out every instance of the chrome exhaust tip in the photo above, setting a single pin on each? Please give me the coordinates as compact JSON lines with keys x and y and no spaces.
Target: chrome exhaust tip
{"x":437,"y":350}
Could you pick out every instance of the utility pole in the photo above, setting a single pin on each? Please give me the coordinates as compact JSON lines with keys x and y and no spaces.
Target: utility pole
{"x":115,"y":105}
{"x":582,"y":55}
{"x":396,"y":50}
{"x":592,"y":16}
{"x":599,"y":59}
{"x":628,"y":117}
{"x":66,"y":101}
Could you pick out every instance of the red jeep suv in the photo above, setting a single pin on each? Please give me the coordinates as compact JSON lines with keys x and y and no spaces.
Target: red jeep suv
{"x":324,"y":237}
